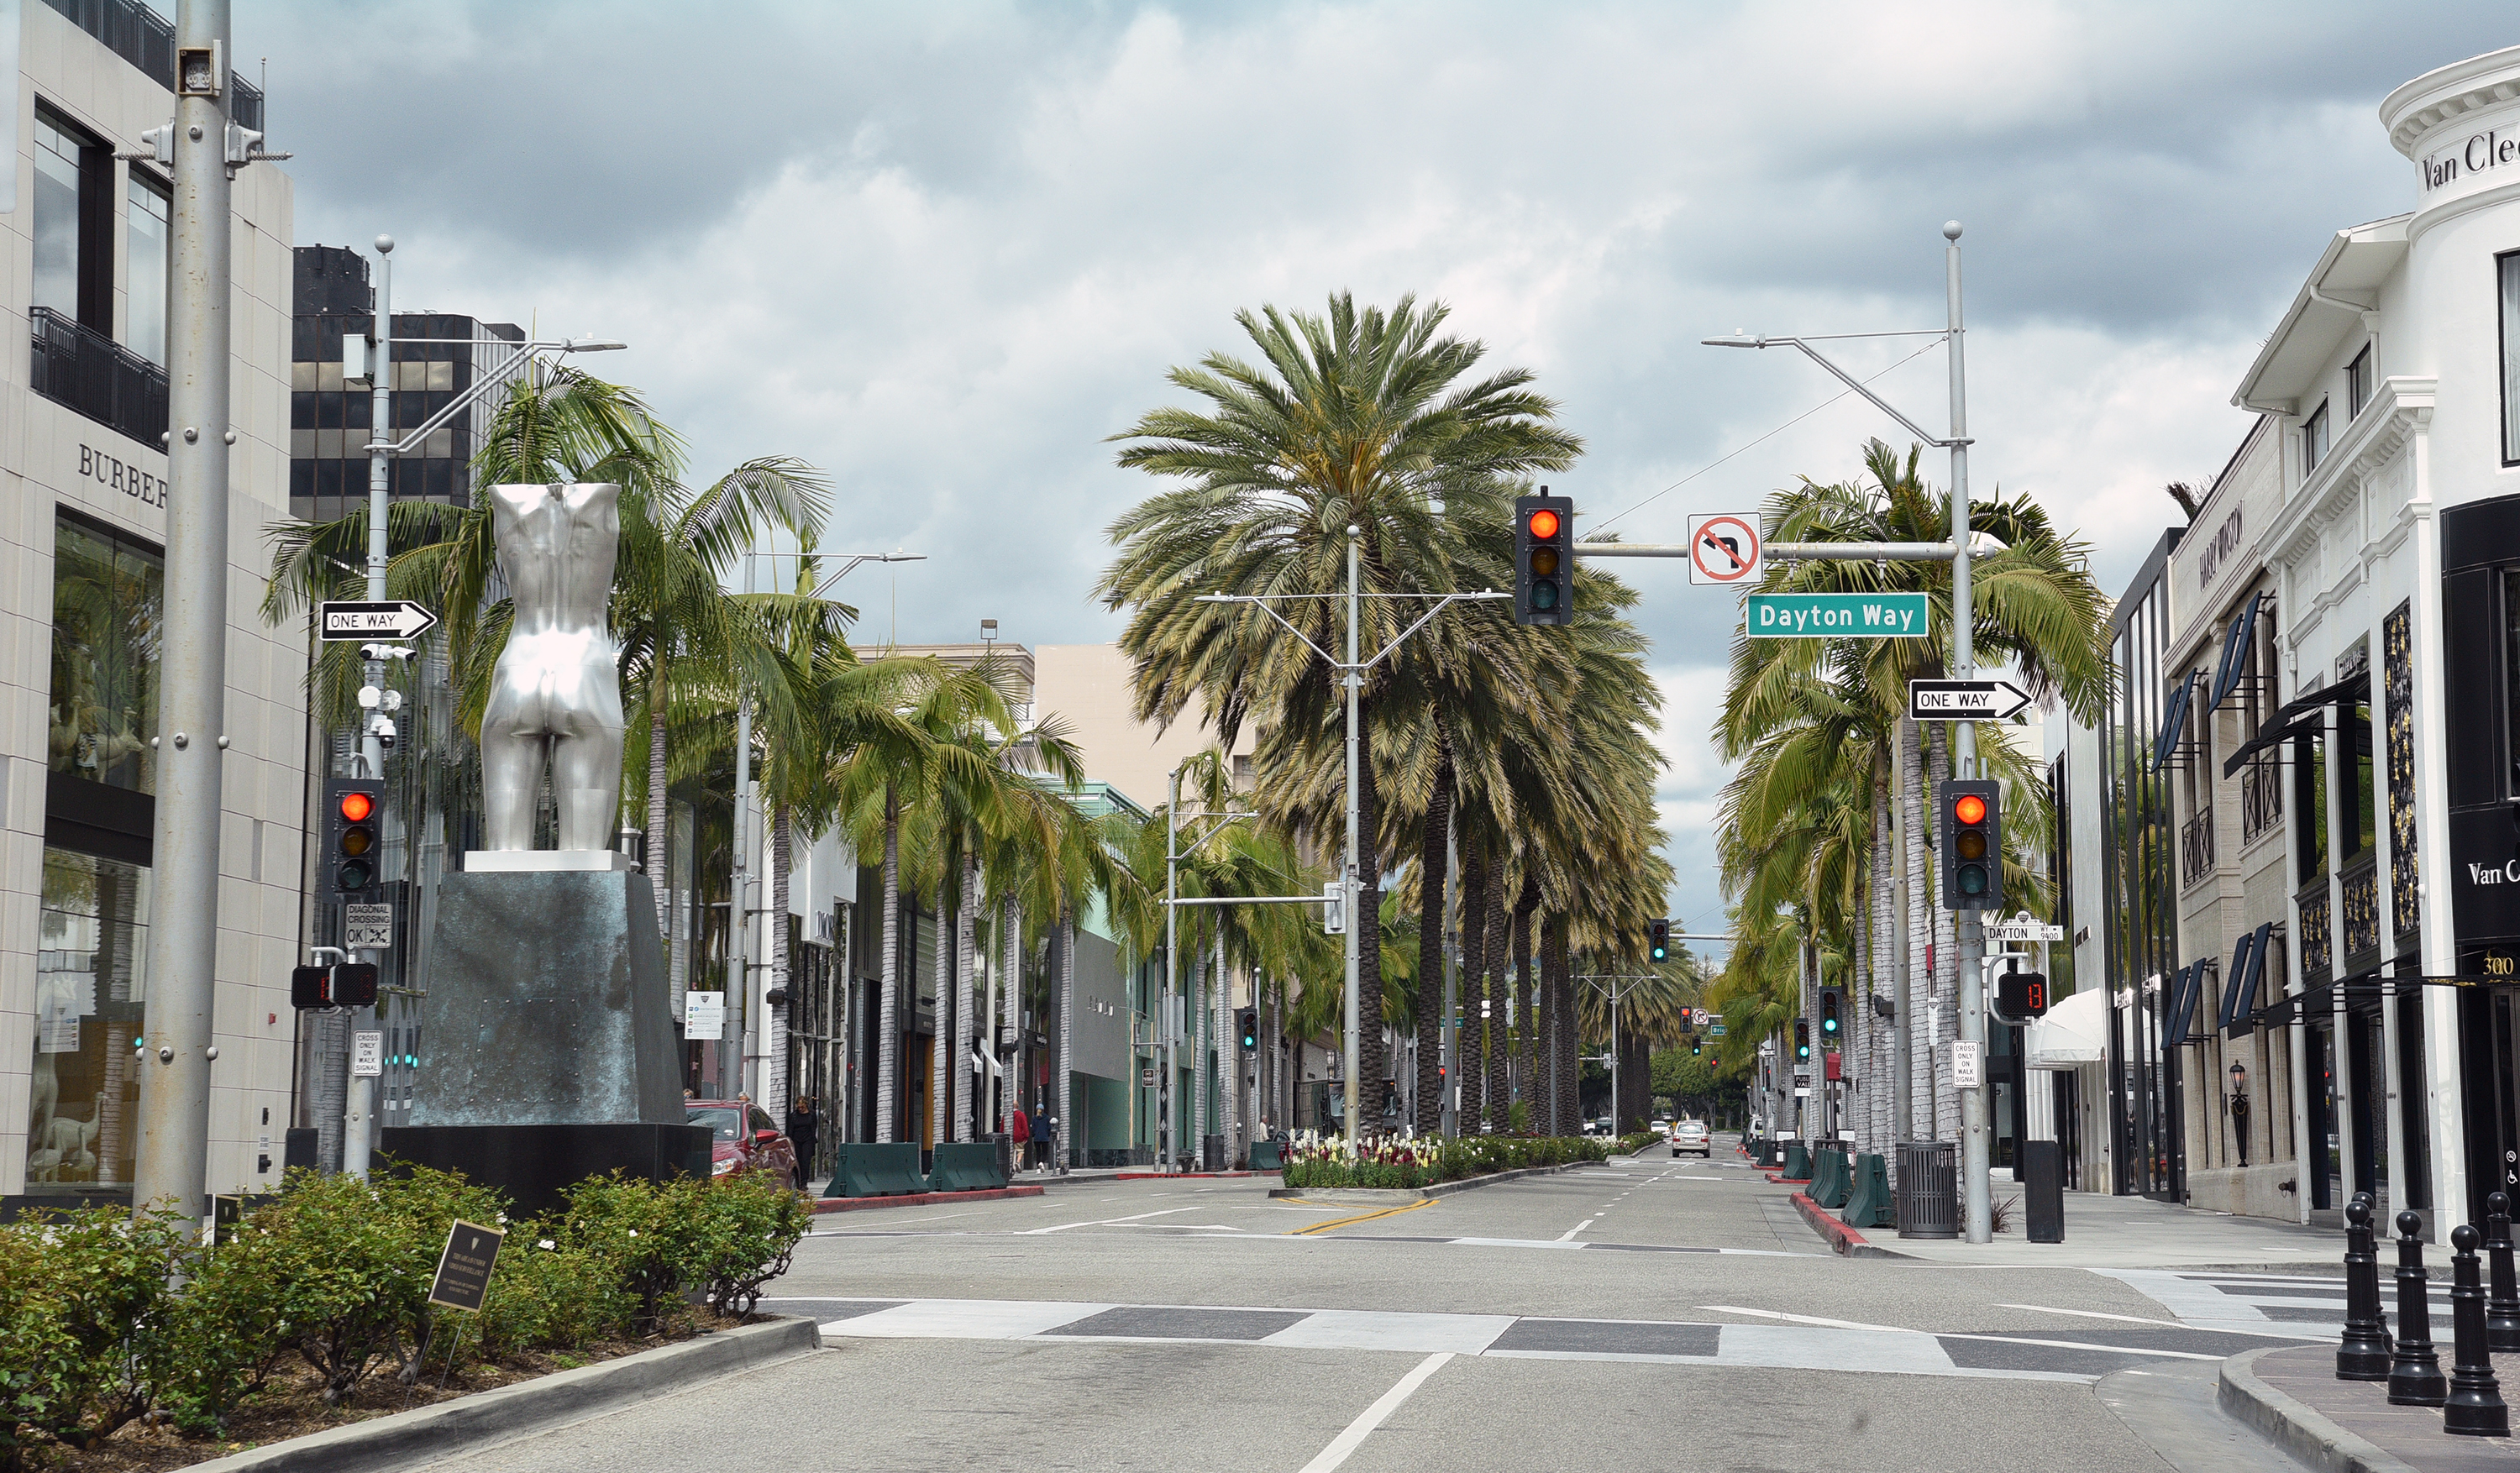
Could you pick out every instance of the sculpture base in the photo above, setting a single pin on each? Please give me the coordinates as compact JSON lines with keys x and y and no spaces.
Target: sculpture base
{"x":545,"y":862}
{"x":533,"y":1164}
{"x":547,"y":1006}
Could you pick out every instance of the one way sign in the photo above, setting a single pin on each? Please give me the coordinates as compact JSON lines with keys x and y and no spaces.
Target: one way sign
{"x":1964,"y":700}
{"x":391,"y":618}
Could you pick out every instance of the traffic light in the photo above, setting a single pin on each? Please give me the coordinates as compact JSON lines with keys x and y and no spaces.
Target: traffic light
{"x":1970,"y":818}
{"x":354,"y":984}
{"x":1247,"y":1022}
{"x":1695,"y":1046}
{"x":1802,"y":1040}
{"x":310,"y":987}
{"x":1543,"y":558}
{"x":1658,"y":940}
{"x":2020,"y":996}
{"x":1832,"y":1014}
{"x":353,"y":824}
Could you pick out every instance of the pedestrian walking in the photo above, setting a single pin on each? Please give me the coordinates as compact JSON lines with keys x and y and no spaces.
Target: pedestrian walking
{"x":1019,"y":1129}
{"x":804,"y":1125}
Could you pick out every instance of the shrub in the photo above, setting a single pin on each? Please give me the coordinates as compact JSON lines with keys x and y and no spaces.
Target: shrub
{"x":749,"y":1226}
{"x":78,"y":1294}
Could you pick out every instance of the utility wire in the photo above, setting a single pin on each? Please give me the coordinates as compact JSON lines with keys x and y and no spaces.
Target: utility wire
{"x":1597,"y":529}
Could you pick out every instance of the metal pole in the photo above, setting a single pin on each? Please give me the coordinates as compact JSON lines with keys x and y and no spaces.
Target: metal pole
{"x":1348,"y":895}
{"x":173,"y":1146}
{"x":1974,"y":1154}
{"x":739,"y":917}
{"x":1617,"y":1100}
{"x":359,"y":1110}
{"x":1164,"y":1004}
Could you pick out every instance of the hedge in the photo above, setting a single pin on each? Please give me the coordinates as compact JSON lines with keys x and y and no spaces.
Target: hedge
{"x":1423,"y":1161}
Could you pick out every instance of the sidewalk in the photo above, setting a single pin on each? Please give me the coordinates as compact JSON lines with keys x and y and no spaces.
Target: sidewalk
{"x":2291,"y":1393}
{"x":2136,"y":1232}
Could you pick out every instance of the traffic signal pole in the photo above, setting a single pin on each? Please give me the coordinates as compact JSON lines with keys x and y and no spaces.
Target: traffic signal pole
{"x":1977,"y":1222}
{"x":177,"y":1042}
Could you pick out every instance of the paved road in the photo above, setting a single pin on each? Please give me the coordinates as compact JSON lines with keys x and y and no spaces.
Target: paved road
{"x":1658,"y":1313}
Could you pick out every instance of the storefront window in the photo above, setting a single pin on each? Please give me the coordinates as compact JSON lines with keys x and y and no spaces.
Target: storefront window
{"x":90,"y":976}
{"x":2508,"y":268}
{"x":2309,"y":765}
{"x":109,"y":600}
{"x":2359,"y":808}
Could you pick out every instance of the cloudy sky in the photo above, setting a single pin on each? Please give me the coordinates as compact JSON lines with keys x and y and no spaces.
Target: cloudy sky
{"x":944,"y":250}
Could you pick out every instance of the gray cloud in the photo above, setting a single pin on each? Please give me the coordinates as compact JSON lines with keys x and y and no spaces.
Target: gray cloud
{"x":944,"y":250}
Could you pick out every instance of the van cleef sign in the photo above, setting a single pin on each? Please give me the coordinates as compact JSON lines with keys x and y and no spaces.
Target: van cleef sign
{"x":2474,"y":155}
{"x":115,"y":474}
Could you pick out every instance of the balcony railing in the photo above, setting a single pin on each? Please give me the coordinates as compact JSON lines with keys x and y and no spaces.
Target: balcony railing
{"x":2360,"y":884}
{"x":145,"y":39}
{"x":2196,"y":849}
{"x":84,"y":370}
{"x":2260,"y":798}
{"x":2318,"y":935}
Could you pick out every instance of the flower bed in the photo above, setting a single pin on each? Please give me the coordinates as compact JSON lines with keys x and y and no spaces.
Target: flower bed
{"x":1317,"y":1161}
{"x":1636,"y":1141}
{"x":127,"y":1343}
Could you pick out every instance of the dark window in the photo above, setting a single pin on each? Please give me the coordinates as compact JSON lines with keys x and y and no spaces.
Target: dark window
{"x":2361,"y":816}
{"x":144,"y":285}
{"x":109,"y":602}
{"x":2314,"y":439}
{"x":2358,"y":382}
{"x":73,"y":219}
{"x":2508,"y":267}
{"x":2309,"y":778}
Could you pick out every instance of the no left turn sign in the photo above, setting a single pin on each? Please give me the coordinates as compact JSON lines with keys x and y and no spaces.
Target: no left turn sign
{"x":1724,"y":547}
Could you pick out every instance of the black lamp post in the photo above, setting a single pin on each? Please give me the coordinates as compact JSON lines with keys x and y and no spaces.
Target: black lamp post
{"x":2240,"y":1109}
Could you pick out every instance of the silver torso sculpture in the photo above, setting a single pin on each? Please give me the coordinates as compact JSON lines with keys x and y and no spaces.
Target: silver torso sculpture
{"x":555,"y":693}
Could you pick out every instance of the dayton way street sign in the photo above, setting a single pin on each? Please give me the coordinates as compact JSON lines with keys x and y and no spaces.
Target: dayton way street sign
{"x":392,"y":619}
{"x":2023,"y":930}
{"x":1724,"y":547}
{"x":1964,"y":700}
{"x":1835,"y":616}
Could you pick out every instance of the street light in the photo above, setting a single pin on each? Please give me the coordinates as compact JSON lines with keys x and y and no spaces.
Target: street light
{"x":1352,"y":677}
{"x":2240,"y":1107}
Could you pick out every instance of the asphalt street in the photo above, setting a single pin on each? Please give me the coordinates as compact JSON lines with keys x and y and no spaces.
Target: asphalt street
{"x":1654,"y":1314}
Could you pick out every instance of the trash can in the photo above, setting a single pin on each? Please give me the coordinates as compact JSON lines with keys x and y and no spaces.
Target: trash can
{"x":1929,"y":1188}
{"x":2042,"y":1189}
{"x":1211,"y":1151}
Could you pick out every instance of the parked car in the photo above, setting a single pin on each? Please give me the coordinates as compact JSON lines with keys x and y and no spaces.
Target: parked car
{"x":1691,"y":1136}
{"x":744,"y":1138}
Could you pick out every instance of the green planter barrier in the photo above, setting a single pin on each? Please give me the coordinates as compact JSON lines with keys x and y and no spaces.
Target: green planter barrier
{"x":875,"y":1169}
{"x":1868,"y":1203}
{"x":1798,"y":1167}
{"x":971,"y":1165}
{"x":1265,"y":1156}
{"x":1830,"y":1185}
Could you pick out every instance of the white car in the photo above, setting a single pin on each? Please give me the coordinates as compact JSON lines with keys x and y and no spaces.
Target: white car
{"x":1690,"y":1136}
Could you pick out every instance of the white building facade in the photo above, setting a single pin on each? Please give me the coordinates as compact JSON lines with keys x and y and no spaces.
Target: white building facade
{"x":82,"y":408}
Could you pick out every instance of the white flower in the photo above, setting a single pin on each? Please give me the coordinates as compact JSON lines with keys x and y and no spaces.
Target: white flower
{"x":546,"y":1244}
{"x":634,"y":1233}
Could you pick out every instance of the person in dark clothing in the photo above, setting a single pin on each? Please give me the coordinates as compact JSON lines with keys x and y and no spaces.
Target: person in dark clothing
{"x":803,"y":1126}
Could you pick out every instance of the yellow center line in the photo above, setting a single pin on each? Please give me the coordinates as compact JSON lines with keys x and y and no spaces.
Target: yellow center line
{"x":1362,"y":1216}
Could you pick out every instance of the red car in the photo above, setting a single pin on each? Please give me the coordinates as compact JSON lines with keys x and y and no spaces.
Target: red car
{"x":737,"y":1144}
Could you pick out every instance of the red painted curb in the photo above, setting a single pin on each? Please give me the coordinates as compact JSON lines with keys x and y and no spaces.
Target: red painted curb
{"x":922,"y":1198}
{"x":1842,"y":1239}
{"x":1781,"y":1180}
{"x":1175,"y":1176}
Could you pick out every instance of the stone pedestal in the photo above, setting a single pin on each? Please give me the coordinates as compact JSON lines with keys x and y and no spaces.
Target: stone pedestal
{"x":547,"y":1051}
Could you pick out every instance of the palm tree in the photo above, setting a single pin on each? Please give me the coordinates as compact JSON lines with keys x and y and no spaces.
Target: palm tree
{"x":1355,"y":419}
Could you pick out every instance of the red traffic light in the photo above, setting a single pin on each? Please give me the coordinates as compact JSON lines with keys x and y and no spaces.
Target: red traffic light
{"x":1971,"y":809}
{"x":1544,"y":524}
{"x":356,"y":806}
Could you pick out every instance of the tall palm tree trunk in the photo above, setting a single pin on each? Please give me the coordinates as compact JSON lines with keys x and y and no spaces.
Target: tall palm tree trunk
{"x":1067,"y":1142}
{"x":774,"y":1031}
{"x":1229,"y":1062}
{"x":967,"y":1017}
{"x":1373,"y":1064}
{"x":888,"y":1007}
{"x":1010,"y":947}
{"x":1918,"y":989}
{"x":1525,"y":1038}
{"x":660,"y":872}
{"x":1434,"y":835}
{"x":1560,"y":977}
{"x":940,"y":1062}
{"x":1472,"y":1118}
{"x":1491,"y":989}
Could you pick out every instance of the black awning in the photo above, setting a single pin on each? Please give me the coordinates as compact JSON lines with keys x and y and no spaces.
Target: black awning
{"x":2248,"y":964}
{"x":2174,"y":719}
{"x":2183,"y":1007}
{"x":2236,"y":652}
{"x":2302,"y":713}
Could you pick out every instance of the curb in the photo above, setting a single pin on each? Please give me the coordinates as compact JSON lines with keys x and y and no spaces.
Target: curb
{"x":1190,"y":1176}
{"x":922,"y":1199}
{"x":1440,"y":1188}
{"x":408,"y":1439}
{"x":1842,"y":1239}
{"x":2292,"y":1425}
{"x":1781,"y":1180}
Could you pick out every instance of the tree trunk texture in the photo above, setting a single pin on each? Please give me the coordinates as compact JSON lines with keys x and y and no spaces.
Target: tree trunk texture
{"x":1433,"y":868}
{"x":1010,"y":1094}
{"x":888,"y":1007}
{"x":1524,"y":1039}
{"x":1918,"y":875}
{"x":1499,"y":1078}
{"x":1471,"y":1118}
{"x":940,"y":1070}
{"x":1561,"y":978}
{"x":1066,"y":1006}
{"x":1372,"y":1059}
{"x":658,"y":862}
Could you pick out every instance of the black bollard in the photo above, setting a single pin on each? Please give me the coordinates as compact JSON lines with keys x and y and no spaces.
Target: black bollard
{"x":2503,"y":1296}
{"x":2475,"y":1407}
{"x":2414,"y":1373}
{"x":2363,"y":1354}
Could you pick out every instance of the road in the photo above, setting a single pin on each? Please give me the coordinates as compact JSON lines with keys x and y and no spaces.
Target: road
{"x":1650,"y":1314}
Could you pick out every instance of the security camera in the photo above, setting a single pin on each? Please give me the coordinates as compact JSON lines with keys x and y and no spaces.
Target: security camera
{"x":386,"y":732}
{"x":386,"y":652}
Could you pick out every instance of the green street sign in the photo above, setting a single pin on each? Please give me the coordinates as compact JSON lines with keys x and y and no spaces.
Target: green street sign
{"x":1836,"y":616}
